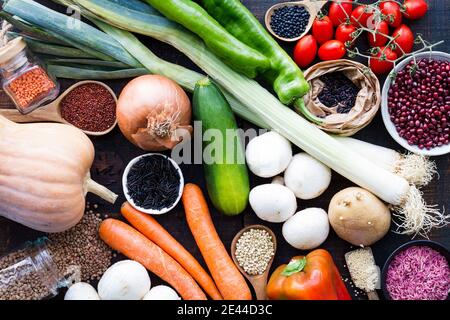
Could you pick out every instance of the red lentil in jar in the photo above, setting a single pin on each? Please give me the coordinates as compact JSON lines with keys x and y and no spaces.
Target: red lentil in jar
{"x":90,"y":107}
{"x":25,"y":81}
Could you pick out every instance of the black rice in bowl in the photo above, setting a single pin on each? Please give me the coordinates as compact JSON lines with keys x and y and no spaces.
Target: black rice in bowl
{"x":153,"y":182}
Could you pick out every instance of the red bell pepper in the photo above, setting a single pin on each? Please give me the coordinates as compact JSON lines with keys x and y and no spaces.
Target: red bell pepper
{"x":314,"y":277}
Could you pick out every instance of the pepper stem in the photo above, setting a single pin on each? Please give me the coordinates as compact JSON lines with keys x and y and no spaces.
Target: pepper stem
{"x":300,"y":106}
{"x":295,"y":266}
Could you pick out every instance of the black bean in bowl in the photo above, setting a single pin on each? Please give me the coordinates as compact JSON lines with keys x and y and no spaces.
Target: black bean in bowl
{"x":290,"y":21}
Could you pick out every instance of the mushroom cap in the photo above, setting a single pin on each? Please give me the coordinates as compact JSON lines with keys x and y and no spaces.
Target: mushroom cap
{"x":273,"y":202}
{"x":268,"y":155}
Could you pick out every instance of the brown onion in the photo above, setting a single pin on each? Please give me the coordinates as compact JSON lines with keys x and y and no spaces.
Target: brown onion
{"x":154,"y":113}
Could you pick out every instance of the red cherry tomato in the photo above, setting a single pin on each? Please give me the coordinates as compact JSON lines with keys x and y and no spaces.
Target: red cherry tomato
{"x":415,"y":9}
{"x":392,"y":12}
{"x":360,"y":15}
{"x":404,"y":39}
{"x":305,"y":51}
{"x":344,"y":33}
{"x":322,"y":29}
{"x":379,"y":39}
{"x":331,"y":50}
{"x":337,"y":15}
{"x":378,"y":62}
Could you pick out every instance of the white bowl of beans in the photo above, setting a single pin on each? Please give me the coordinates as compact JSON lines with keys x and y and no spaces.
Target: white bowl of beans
{"x":416,"y":105}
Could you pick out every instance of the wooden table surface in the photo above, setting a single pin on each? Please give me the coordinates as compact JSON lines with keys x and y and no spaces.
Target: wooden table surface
{"x":115,"y":151}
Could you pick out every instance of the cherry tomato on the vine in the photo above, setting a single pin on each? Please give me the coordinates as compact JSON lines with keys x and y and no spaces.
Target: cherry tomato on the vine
{"x":339,"y":12}
{"x":381,"y":62}
{"x":379,"y":38}
{"x":415,"y":9}
{"x":305,"y":51}
{"x":360,"y":15}
{"x":322,"y":29}
{"x":392,"y":12}
{"x":404,"y":38}
{"x":332,"y":50}
{"x":345,"y":32}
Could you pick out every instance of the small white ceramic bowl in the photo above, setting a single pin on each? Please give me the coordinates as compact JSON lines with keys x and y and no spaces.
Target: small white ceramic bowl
{"x":130,"y":200}
{"x":438,"y":151}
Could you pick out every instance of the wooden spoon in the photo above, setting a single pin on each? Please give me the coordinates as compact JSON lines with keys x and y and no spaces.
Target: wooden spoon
{"x":312,"y":6}
{"x":259,"y":282}
{"x":371,"y":295}
{"x":52,"y":111}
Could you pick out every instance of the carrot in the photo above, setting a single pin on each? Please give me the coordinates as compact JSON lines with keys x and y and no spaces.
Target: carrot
{"x":150,"y":228}
{"x":128,"y":241}
{"x":228,"y":279}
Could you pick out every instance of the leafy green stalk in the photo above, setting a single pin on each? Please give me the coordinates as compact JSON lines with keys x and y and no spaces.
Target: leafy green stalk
{"x":90,"y":74}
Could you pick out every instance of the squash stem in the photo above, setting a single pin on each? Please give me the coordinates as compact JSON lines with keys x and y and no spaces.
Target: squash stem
{"x":101,"y":191}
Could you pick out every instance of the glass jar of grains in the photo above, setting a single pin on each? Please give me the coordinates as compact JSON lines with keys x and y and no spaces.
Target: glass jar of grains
{"x":30,"y":273}
{"x":24,"y":79}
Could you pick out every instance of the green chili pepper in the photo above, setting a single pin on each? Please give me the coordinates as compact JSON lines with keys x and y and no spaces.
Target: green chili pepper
{"x":287,"y":78}
{"x":236,"y":54}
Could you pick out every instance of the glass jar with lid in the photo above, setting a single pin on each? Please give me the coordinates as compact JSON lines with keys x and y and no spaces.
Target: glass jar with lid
{"x":30,"y":273}
{"x":24,"y":79}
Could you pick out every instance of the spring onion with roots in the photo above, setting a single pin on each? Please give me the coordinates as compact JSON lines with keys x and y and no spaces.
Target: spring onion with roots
{"x":414,"y":215}
{"x":416,"y":169}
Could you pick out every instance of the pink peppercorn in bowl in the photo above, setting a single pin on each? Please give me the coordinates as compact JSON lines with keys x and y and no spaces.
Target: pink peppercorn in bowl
{"x":417,"y":270}
{"x":416,"y":108}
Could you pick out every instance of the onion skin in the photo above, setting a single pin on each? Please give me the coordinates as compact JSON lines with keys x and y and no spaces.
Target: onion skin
{"x":151,"y":109}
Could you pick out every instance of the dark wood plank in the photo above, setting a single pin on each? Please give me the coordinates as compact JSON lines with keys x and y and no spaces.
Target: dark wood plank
{"x":114,"y":150}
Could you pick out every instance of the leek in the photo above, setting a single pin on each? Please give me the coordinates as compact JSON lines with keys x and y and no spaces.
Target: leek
{"x":415,"y":216}
{"x":89,"y":74}
{"x":83,"y":35}
{"x":30,"y":29}
{"x":55,"y":50}
{"x":87,"y":62}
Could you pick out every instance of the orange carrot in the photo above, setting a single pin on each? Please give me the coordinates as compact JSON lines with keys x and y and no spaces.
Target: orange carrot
{"x":128,"y":241}
{"x":150,"y":228}
{"x":228,"y":279}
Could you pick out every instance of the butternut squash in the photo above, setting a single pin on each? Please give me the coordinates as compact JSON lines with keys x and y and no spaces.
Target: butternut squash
{"x":44,"y":175}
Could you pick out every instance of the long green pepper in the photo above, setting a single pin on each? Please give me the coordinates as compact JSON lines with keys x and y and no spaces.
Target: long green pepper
{"x":241,"y":57}
{"x":285,"y":76}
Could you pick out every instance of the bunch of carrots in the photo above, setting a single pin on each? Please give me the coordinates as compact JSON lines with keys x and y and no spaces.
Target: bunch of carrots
{"x":151,"y":245}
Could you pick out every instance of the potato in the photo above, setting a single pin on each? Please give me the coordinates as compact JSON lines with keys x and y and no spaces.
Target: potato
{"x":359,"y":217}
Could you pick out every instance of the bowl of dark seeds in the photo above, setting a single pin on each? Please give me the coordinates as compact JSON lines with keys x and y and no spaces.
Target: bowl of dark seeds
{"x":153,"y":183}
{"x":289,"y":21}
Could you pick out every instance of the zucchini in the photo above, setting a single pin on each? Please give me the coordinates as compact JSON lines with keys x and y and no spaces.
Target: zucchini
{"x":227,"y":177}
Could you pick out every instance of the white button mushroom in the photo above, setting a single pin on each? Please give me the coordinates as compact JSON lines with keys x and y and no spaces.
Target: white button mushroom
{"x":307,"y":177}
{"x":273,"y":202}
{"x":125,"y":280}
{"x":81,"y":291}
{"x":161,"y":293}
{"x":268,"y":155}
{"x":307,"y":229}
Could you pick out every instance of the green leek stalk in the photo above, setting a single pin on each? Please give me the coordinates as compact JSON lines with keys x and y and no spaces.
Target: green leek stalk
{"x":90,"y":74}
{"x":87,"y":62}
{"x":72,"y":30}
{"x":55,"y":50}
{"x":415,"y":215}
{"x":30,"y":29}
